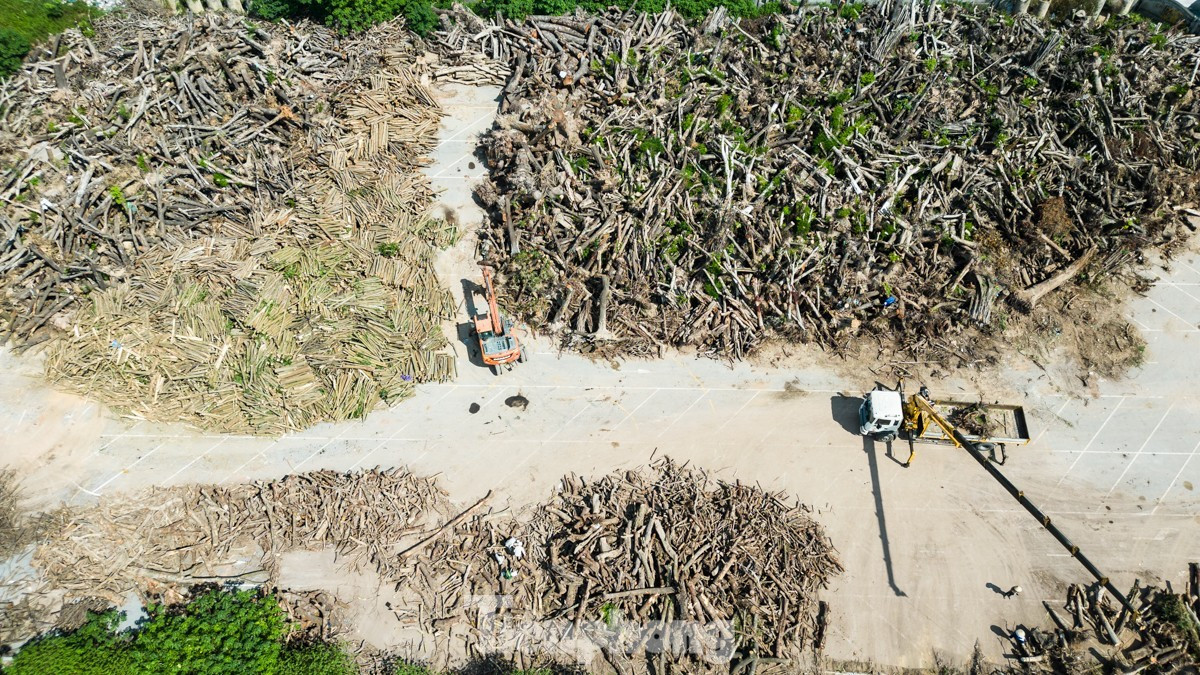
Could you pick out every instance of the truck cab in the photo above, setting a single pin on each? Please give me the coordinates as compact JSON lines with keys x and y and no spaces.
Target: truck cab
{"x":880,"y":415}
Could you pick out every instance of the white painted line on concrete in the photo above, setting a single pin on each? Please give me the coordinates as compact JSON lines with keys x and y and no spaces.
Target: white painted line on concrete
{"x":118,"y":474}
{"x":114,"y":438}
{"x":631,"y":412}
{"x":185,"y":467}
{"x":1180,"y":289}
{"x":381,"y":444}
{"x":564,"y":427}
{"x":17,"y":424}
{"x":1191,"y":325}
{"x":498,"y":394}
{"x":1143,"y":447}
{"x":1057,"y":413}
{"x":685,"y":411}
{"x":1089,"y":443}
{"x":320,"y":449}
{"x":739,"y":410}
{"x":246,"y":463}
{"x":1175,"y":479}
{"x":464,"y":130}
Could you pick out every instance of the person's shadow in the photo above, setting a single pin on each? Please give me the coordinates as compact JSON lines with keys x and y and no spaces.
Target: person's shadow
{"x":995,"y":588}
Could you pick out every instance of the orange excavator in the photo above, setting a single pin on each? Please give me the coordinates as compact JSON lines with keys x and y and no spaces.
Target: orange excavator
{"x":498,"y":345}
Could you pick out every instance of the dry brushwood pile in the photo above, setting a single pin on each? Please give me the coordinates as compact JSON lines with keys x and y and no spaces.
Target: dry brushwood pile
{"x":602,"y":559}
{"x":637,"y":548}
{"x":1163,"y":637}
{"x":193,"y":534}
{"x":229,"y":224}
{"x":671,"y":544}
{"x":908,"y":170}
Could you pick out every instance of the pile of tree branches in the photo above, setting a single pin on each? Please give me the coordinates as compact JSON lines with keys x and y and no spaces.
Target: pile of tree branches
{"x":892,"y":170}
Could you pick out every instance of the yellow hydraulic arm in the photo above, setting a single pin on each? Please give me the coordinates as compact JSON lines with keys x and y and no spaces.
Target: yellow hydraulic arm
{"x":916,"y":412}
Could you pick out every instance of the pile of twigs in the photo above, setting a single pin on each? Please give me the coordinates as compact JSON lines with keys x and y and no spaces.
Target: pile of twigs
{"x":194,"y":534}
{"x":888,"y":170}
{"x":712,"y":565}
{"x":239,"y":214}
{"x":670,"y":544}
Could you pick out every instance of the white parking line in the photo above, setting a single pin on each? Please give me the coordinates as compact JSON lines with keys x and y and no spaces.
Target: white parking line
{"x":631,"y":412}
{"x":586,"y":405}
{"x":1191,"y":325}
{"x":185,"y":467}
{"x":1089,"y":443}
{"x":246,"y":463}
{"x":739,"y":410}
{"x":1180,"y":289}
{"x":322,"y":448}
{"x":1143,"y":447}
{"x":685,"y":411}
{"x":96,"y":490}
{"x":1057,"y":413}
{"x":1175,"y":479}
{"x":381,"y":444}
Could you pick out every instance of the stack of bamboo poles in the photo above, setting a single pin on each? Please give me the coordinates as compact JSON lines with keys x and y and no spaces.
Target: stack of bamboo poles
{"x":315,"y":311}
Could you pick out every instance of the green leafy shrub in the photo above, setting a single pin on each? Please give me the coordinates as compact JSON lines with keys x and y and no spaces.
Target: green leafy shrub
{"x":513,"y":9}
{"x":94,"y":649}
{"x":316,"y":659}
{"x":278,"y":9}
{"x":218,"y":632}
{"x":13,"y":48}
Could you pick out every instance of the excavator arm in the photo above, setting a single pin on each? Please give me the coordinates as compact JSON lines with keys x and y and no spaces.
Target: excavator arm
{"x":921,"y":411}
{"x":493,"y":308}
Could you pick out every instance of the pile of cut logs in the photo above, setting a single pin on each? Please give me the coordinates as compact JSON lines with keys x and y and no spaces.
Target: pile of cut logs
{"x":1164,"y":635}
{"x":629,"y":552}
{"x":889,"y":170}
{"x":656,"y":548}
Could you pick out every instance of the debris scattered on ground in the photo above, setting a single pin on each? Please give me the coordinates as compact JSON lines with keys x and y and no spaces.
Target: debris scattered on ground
{"x":474,"y":408}
{"x":827,"y":174}
{"x":517,"y":401}
{"x":17,"y":529}
{"x":244,"y":235}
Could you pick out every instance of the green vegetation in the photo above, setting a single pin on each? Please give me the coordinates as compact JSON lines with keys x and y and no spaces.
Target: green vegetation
{"x":221,"y":631}
{"x":1171,"y":608}
{"x":350,"y":15}
{"x":691,"y":9}
{"x":26,"y":22}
